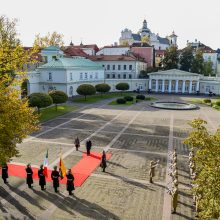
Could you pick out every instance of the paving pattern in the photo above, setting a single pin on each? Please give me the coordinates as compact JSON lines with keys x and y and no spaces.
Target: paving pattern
{"x":134,"y":136}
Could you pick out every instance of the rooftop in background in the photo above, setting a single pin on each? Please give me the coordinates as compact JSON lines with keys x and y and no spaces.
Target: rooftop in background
{"x":198,"y":45}
{"x":113,"y":58}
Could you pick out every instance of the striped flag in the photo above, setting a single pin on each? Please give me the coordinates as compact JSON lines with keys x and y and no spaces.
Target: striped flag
{"x":62,"y":168}
{"x":46,"y":165}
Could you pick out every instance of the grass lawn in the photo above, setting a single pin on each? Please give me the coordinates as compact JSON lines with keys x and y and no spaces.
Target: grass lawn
{"x":126,"y":104}
{"x":96,"y":98}
{"x":50,"y":113}
{"x":150,"y":99}
{"x":201,"y":101}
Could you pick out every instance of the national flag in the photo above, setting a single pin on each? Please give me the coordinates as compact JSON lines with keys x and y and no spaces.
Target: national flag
{"x":62,"y":168}
{"x":46,"y":165}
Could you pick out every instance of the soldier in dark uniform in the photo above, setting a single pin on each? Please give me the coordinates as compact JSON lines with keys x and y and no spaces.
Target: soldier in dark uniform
{"x":77,"y":143}
{"x":55,"y":177}
{"x":70,"y":182}
{"x":174,"y":195}
{"x":42,"y":178}
{"x":103,"y":161}
{"x":29,"y":179}
{"x":88,"y":146}
{"x":153,"y":164}
{"x":5,"y":173}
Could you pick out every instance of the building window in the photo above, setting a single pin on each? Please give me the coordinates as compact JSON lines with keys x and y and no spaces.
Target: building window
{"x":130,"y":76}
{"x":71,"y":76}
{"x":103,"y":66}
{"x":119,"y":76}
{"x":96,"y":75}
{"x":130,"y":67}
{"x":108,"y":76}
{"x":50,"y":76}
{"x":71,"y":91}
{"x":108,"y":67}
{"x":125,"y":67}
{"x":113,"y":76}
{"x":81,"y":76}
{"x":113,"y":67}
{"x":86,"y":76}
{"x":119,"y":67}
{"x":91,"y":76}
{"x":124,"y":76}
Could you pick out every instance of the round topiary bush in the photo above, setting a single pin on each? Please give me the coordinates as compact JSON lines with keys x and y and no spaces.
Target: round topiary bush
{"x":86,"y":89}
{"x":141,"y":97}
{"x":207,"y":100}
{"x":102,"y":88}
{"x":58,"y":97}
{"x":218,"y":103}
{"x":129,"y":98}
{"x":121,"y":101}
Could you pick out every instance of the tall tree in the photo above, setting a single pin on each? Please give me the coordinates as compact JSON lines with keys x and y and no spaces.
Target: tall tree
{"x":207,"y":160}
{"x":198,"y":62}
{"x":50,"y":39}
{"x":171,"y":58}
{"x":186,"y":59}
{"x":208,"y":68}
{"x":17,"y":119}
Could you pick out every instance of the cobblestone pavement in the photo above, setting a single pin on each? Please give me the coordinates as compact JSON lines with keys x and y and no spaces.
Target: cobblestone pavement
{"x":134,"y":136}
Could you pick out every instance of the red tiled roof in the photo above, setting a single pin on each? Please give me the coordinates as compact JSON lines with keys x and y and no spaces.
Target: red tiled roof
{"x":74,"y":51}
{"x":112,"y":58}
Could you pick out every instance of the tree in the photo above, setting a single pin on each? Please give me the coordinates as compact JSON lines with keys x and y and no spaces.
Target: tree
{"x":145,"y":39}
{"x":13,"y":56}
{"x":208,"y":68}
{"x":207,"y":160}
{"x":51,"y":39}
{"x":16,"y":117}
{"x":86,"y":89}
{"x":171,"y":58}
{"x":186,"y":59}
{"x":102,"y":88}
{"x":198,"y":62}
{"x":58,"y":97}
{"x":16,"y":122}
{"x":40,"y":100}
{"x":122,"y":86}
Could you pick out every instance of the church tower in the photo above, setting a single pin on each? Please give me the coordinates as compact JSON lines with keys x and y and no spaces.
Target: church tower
{"x":145,"y":31}
{"x":173,"y":39}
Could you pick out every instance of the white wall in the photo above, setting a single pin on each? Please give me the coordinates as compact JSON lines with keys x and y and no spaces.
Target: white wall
{"x":113,"y":51}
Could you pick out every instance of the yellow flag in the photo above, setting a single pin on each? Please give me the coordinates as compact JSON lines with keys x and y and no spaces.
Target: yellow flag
{"x":62,"y":169}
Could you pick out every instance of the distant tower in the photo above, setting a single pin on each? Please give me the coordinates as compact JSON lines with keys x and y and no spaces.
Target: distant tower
{"x":173,"y":39}
{"x":144,"y":31}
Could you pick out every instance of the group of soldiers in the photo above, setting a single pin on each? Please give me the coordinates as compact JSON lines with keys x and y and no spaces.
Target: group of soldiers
{"x":173,"y":184}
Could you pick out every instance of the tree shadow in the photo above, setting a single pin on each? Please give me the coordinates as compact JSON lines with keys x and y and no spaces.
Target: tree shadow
{"x":116,"y":164}
{"x":23,"y":210}
{"x":184,"y":216}
{"x":131,"y":182}
{"x":187,"y":205}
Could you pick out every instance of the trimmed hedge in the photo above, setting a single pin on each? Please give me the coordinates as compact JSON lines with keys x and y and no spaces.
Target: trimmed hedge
{"x":129,"y":98}
{"x":207,"y":100}
{"x":141,"y":97}
{"x":121,"y":101}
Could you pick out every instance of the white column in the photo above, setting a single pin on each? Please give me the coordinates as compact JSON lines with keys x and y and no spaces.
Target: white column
{"x":176,"y":87}
{"x":183,"y":86}
{"x":190,"y":86}
{"x":170,"y":86}
{"x":156,"y":90}
{"x":163,"y":85}
{"x":197,"y":86}
{"x":150,"y":83}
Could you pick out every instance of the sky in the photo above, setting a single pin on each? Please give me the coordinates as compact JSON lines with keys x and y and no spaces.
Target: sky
{"x":101,"y":21}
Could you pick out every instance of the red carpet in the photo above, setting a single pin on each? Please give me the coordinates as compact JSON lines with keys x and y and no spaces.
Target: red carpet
{"x":81,"y":170}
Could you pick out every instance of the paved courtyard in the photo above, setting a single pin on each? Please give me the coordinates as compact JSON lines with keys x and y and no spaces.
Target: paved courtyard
{"x":134,"y":136}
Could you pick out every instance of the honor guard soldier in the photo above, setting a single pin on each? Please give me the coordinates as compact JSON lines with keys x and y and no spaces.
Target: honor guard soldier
{"x":174,"y":195}
{"x":152,"y":170}
{"x":29,"y":179}
{"x":77,"y":143}
{"x":55,"y":177}
{"x":103,"y":161}
{"x":70,"y":182}
{"x":88,"y":146}
{"x":42,"y":178}
{"x":5,"y":173}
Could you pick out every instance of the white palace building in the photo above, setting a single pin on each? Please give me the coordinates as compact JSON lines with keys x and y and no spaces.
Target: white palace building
{"x":67,"y":73}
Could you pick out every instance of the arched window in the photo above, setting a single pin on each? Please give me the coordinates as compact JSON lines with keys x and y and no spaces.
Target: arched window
{"x":71,"y":90}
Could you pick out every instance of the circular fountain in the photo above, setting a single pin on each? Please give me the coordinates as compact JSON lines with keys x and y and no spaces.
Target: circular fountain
{"x":174,"y":105}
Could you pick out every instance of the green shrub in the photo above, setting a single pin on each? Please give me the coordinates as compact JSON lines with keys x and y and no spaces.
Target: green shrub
{"x":86,"y":89}
{"x":102,"y":88}
{"x":58,"y":97}
{"x":207,"y":101}
{"x":121,"y":101}
{"x":141,"y":97}
{"x":122,"y":87}
{"x":217,"y":103}
{"x":129,"y":98}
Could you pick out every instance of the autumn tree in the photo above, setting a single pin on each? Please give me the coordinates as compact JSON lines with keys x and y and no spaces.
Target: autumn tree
{"x":198,"y":62}
{"x":171,"y":58}
{"x":208,"y":68}
{"x":186,"y":59}
{"x":50,"y":39}
{"x":207,"y":159}
{"x":17,"y":119}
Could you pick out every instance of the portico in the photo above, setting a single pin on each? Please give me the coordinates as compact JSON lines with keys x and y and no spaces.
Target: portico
{"x":174,"y":81}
